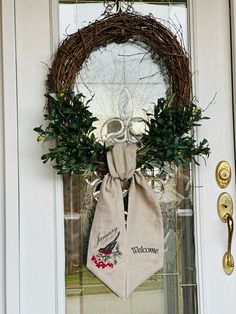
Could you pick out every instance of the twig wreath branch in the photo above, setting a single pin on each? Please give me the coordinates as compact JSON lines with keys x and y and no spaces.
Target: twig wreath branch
{"x":121,"y":27}
{"x":168,"y":137}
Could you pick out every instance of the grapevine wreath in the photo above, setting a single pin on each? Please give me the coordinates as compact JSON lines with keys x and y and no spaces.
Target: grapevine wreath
{"x":168,"y":137}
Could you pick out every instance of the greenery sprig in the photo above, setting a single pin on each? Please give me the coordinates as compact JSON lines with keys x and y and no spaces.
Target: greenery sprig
{"x":169,"y":135}
{"x":75,"y":149}
{"x":70,"y":127}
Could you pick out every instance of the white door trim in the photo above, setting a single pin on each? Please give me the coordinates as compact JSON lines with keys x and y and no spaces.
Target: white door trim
{"x":2,"y":215}
{"x":58,"y":191}
{"x":10,"y":152}
{"x":9,"y":163}
{"x":197,"y":174}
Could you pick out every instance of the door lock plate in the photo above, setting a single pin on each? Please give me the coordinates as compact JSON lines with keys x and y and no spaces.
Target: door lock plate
{"x":223,"y":174}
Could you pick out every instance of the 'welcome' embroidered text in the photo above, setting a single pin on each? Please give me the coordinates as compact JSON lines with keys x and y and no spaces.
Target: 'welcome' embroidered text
{"x":142,"y":249}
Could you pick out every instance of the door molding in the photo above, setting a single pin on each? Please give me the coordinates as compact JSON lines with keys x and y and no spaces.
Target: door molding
{"x":10,"y":158}
{"x":197,"y":173}
{"x":2,"y":214}
{"x":58,"y":189}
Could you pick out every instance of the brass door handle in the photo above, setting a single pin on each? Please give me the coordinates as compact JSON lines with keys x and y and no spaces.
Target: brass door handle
{"x":225,"y":211}
{"x":228,"y":260}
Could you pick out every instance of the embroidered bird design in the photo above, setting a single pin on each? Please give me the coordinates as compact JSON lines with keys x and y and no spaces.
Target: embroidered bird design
{"x":110,"y":246}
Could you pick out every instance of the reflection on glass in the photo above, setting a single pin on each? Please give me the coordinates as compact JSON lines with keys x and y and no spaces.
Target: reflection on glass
{"x":125,"y":82}
{"x":118,"y":69}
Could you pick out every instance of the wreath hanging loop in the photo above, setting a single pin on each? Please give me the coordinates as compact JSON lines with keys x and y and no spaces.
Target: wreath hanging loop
{"x":163,"y":44}
{"x":119,"y":5}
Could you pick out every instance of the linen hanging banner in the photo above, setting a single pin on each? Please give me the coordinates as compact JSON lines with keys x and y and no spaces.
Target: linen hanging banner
{"x":123,"y":253}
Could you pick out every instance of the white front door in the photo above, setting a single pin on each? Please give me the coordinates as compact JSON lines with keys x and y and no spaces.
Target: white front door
{"x":33,"y":202}
{"x":210,"y":22}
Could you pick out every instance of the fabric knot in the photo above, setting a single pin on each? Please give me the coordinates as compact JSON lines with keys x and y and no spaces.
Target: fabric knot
{"x":122,"y":161}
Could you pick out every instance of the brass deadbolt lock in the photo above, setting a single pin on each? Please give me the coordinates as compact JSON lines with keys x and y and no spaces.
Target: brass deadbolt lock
{"x":223,"y":174}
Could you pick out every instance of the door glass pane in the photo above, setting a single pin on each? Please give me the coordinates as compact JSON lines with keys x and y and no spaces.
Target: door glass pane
{"x":110,"y":73}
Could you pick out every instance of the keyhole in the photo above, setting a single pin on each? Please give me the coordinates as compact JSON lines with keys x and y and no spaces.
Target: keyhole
{"x":224,"y":174}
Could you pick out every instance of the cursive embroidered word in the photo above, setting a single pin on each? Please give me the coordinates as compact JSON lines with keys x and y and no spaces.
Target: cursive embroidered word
{"x":108,"y":236}
{"x":142,"y":249}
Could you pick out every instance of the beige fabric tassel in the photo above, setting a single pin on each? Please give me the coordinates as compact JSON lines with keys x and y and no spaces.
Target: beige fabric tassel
{"x":122,"y":253}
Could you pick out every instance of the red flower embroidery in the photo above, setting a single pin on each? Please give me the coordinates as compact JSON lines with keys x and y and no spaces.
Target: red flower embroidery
{"x":97,"y":261}
{"x":93,"y":258}
{"x":110,"y":265}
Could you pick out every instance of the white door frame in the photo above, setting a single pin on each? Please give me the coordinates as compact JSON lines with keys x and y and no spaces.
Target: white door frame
{"x":2,"y":231}
{"x":59,"y":198}
{"x":10,"y":159}
{"x":197,"y":199}
{"x":9,"y":164}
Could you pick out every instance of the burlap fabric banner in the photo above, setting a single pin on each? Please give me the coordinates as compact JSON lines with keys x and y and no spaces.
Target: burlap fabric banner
{"x":122,"y":253}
